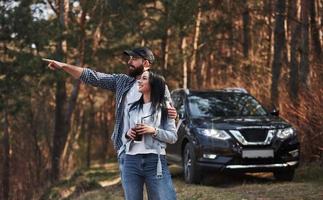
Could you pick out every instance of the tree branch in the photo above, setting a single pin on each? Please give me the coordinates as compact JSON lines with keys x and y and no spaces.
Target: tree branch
{"x":52,"y":7}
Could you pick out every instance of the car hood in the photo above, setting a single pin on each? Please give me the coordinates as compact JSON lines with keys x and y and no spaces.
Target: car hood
{"x":232,"y":123}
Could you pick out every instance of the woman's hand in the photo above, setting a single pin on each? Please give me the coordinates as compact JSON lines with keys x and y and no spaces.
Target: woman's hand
{"x":142,"y":129}
{"x":172,"y":114}
{"x":131,"y":134}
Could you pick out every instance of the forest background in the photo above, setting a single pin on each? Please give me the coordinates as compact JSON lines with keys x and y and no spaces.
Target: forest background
{"x":51,"y":125}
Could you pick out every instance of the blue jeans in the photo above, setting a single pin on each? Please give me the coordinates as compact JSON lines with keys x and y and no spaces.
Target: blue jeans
{"x":121,"y":158}
{"x":141,"y":169}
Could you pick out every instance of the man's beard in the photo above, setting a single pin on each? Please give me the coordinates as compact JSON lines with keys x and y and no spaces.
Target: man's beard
{"x":135,"y":71}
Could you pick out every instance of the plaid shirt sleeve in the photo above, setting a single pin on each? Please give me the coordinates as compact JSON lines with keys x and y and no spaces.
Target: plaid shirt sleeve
{"x":98,"y":79}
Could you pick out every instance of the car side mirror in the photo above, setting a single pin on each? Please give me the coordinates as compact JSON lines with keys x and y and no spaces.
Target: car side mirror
{"x":181,"y":115}
{"x":275,"y":112}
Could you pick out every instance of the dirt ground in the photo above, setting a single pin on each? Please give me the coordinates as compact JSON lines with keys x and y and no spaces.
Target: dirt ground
{"x":308,"y":184}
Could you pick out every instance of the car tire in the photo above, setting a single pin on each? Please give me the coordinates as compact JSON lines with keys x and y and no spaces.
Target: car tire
{"x":191,"y":172}
{"x":285,"y":175}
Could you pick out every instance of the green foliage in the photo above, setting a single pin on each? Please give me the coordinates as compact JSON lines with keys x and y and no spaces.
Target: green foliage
{"x":183,"y":13}
{"x":19,"y":67}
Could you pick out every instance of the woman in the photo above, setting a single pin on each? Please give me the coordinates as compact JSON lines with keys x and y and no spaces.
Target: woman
{"x":145,"y":161}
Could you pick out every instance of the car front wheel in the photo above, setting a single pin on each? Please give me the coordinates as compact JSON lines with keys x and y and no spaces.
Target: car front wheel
{"x":191,"y":171}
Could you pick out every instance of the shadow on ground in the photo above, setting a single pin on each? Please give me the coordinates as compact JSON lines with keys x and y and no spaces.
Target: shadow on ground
{"x":226,"y":180}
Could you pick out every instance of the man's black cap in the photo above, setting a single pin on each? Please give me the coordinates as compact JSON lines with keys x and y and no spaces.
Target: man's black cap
{"x":143,"y":52}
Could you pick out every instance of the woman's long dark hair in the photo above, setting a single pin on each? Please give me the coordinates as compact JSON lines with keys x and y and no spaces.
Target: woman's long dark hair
{"x":157,"y":95}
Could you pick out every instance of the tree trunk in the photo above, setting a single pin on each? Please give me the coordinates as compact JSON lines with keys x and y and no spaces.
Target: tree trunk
{"x":279,"y":43}
{"x":304,"y":66}
{"x":36,"y":148}
{"x":91,"y":129}
{"x":269,"y":14}
{"x":6,"y":158}
{"x":105,"y":130}
{"x":319,"y":4}
{"x":184,"y":59}
{"x":201,"y":73}
{"x":192,"y":71}
{"x":59,"y":132}
{"x":246,"y":32}
{"x":210,"y":75}
{"x":76,"y":87}
{"x":295,"y":29}
{"x":230,"y":57}
{"x":165,"y":39}
{"x":76,"y":84}
{"x":103,"y":127}
{"x":60,"y":136}
{"x":316,"y":43}
{"x":65,"y":115}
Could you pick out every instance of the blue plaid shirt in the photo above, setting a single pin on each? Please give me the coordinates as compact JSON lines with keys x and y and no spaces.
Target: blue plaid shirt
{"x":117,"y":83}
{"x":120,"y":85}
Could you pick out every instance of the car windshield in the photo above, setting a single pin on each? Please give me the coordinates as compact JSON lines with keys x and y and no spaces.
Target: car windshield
{"x":224,"y":104}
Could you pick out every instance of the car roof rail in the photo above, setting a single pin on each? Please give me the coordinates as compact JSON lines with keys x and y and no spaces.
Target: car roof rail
{"x":236,"y":89}
{"x":187,"y":91}
{"x":233,"y":89}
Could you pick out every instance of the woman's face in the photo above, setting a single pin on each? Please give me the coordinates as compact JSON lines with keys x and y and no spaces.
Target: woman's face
{"x":143,"y":83}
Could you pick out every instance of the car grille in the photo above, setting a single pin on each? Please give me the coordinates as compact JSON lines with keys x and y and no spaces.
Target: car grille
{"x":254,"y":135}
{"x":251,"y":136}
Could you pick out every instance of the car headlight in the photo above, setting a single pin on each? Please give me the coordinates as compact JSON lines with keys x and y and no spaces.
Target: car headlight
{"x":214,"y":133}
{"x":285,"y":133}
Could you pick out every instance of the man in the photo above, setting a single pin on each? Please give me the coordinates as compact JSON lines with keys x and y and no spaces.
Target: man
{"x":124,"y":86}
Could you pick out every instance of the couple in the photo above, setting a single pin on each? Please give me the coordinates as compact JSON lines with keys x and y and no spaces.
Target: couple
{"x":140,"y":94}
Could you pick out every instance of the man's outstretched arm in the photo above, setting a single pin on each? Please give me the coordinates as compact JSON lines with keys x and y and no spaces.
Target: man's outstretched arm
{"x":73,"y":70}
{"x":87,"y":76}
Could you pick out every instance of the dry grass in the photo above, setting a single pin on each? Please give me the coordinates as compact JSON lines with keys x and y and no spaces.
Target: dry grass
{"x":308,"y":184}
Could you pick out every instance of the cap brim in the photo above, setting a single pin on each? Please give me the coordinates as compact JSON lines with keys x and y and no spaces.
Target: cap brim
{"x":130,"y":53}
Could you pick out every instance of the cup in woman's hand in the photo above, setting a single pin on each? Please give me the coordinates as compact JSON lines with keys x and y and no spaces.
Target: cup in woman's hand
{"x":138,"y":137}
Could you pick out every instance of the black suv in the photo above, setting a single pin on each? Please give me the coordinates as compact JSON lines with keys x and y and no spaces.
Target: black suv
{"x":229,"y":130}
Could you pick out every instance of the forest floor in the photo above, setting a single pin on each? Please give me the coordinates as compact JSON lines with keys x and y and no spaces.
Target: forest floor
{"x":103,"y":182}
